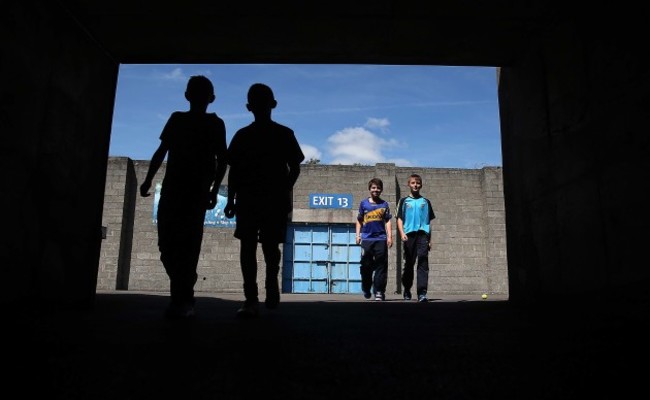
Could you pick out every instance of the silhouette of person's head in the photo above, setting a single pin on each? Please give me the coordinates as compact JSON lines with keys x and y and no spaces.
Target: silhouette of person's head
{"x":260,"y":99}
{"x":199,"y":90}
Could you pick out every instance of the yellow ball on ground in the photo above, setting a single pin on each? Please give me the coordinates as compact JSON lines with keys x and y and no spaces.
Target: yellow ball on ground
{"x":484,"y":296}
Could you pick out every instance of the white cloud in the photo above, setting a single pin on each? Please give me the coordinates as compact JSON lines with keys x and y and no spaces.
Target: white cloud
{"x":378,"y":123}
{"x":310,"y":152}
{"x":357,"y":146}
{"x":175,"y":75}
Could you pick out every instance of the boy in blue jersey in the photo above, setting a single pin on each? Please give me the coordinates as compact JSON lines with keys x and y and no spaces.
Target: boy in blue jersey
{"x":414,"y":215}
{"x":374,"y":234}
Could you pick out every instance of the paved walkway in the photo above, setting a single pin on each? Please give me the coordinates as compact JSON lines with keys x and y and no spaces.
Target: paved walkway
{"x":327,"y":347}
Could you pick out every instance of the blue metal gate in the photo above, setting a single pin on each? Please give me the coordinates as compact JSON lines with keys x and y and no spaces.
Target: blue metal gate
{"x":321,"y":259}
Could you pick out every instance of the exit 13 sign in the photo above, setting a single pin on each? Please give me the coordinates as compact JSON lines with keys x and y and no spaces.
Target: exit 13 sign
{"x":330,"y":200}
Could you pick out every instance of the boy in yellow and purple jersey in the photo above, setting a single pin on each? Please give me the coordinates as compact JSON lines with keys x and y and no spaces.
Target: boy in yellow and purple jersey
{"x":373,"y":228}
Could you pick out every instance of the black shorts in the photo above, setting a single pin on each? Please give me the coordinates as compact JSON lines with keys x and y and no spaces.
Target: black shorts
{"x":263,"y":224}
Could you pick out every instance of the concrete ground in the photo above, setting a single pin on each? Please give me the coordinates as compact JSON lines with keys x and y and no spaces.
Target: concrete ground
{"x":328,"y":346}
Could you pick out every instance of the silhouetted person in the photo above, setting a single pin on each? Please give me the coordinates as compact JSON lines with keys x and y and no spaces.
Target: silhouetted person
{"x":374,"y":234}
{"x":264,"y":159}
{"x":194,"y":142}
{"x":414,"y":215}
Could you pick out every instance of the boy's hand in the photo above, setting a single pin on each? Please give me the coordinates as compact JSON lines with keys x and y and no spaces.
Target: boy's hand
{"x":144,"y":189}
{"x":389,"y":242}
{"x":229,"y":210}
{"x":212,"y":200}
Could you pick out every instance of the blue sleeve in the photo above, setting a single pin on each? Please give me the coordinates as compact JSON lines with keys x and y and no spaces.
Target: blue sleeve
{"x":387,"y":215}
{"x":360,"y":214}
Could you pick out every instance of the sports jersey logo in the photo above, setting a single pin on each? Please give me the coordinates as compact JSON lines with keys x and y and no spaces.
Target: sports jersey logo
{"x":374,"y":215}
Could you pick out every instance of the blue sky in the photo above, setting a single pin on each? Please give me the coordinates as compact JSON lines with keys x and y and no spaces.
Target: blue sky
{"x":422,"y":116}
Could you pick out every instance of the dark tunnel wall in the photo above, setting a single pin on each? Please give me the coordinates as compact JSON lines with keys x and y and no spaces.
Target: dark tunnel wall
{"x":573,"y":104}
{"x":57,"y":99}
{"x":574,"y":120}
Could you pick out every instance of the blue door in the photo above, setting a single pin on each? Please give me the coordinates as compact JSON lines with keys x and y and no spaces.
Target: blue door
{"x":321,"y":259}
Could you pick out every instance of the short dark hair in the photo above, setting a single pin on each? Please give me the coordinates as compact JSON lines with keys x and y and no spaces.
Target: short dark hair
{"x":199,"y":85}
{"x":416,"y":176}
{"x":260,"y":94}
{"x":376,"y":181}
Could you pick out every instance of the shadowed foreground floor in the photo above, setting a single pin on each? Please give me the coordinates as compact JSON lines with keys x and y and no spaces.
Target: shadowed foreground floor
{"x":328,"y":347}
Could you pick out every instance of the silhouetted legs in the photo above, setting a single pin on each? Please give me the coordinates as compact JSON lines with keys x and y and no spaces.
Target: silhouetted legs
{"x":248,"y":257}
{"x":179,"y":239}
{"x":272,"y":258}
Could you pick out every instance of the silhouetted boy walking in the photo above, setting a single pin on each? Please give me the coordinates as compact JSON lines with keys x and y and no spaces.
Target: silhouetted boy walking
{"x":264,"y":159}
{"x":194,"y":143}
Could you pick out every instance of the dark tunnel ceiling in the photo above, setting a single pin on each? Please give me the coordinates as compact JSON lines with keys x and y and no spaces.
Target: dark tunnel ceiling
{"x":453,"y":32}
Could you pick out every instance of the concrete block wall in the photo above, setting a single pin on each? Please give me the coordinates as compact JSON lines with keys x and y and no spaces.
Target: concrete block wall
{"x":464,"y":256}
{"x":340,"y":179}
{"x":468,"y":254}
{"x":112,"y":217}
{"x":496,"y":267}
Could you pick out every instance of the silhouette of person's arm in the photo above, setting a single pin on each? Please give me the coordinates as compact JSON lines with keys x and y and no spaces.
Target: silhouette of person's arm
{"x":230,"y":209}
{"x":221,"y":161}
{"x":220,"y":172}
{"x":294,"y":172}
{"x":292,"y":177}
{"x":156,"y":161}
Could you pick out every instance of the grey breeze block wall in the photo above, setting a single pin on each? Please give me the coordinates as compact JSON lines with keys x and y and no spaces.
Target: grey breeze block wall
{"x":468,"y":255}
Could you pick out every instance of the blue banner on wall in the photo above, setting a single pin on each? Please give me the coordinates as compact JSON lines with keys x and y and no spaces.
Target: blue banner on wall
{"x":330,"y":200}
{"x":214,"y":217}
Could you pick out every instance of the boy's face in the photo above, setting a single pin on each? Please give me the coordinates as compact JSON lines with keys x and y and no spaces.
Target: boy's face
{"x":415,"y":184}
{"x":375,"y":191}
